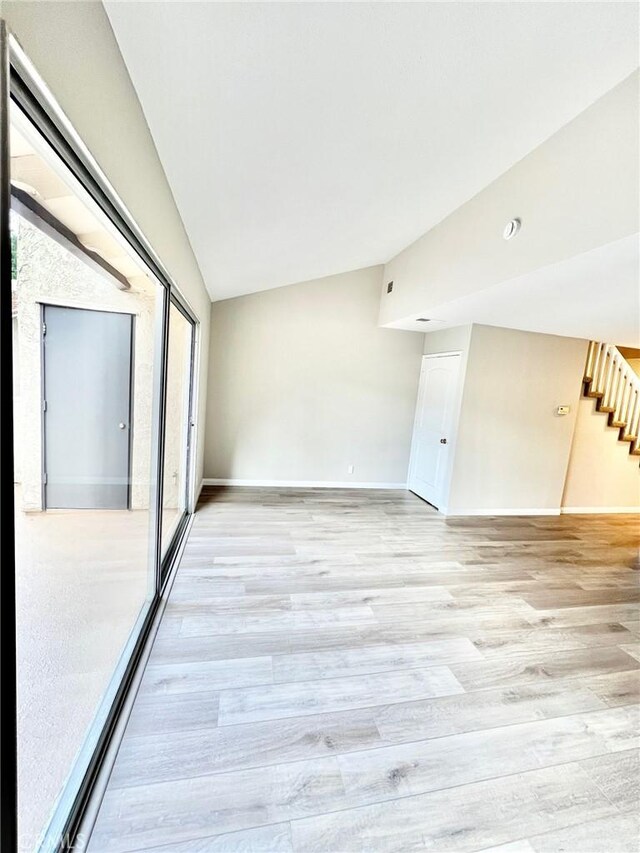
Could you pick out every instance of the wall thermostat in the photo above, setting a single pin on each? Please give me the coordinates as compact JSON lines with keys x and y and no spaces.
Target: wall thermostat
{"x":563,"y":410}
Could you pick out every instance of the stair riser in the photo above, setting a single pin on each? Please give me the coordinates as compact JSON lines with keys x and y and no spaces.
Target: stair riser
{"x":626,"y":420}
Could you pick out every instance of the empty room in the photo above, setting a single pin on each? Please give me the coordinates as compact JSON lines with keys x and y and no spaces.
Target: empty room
{"x":320,"y":328}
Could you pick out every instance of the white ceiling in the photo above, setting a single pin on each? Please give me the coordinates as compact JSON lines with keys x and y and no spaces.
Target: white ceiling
{"x":305,"y":139}
{"x":594,"y":295}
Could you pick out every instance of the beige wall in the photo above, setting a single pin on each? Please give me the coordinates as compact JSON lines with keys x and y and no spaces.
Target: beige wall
{"x":512,"y":449}
{"x":601,"y":472}
{"x":454,"y":339}
{"x":571,"y":194}
{"x":303,"y":384}
{"x":74,"y":49}
{"x":634,"y":363}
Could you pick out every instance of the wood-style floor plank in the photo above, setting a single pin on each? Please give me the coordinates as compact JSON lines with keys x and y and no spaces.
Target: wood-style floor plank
{"x":201,"y":676}
{"x":617,"y":776}
{"x":344,"y":670}
{"x":446,"y":762}
{"x":524,"y":669}
{"x":275,"y":838}
{"x":467,"y":818}
{"x":343,"y":663}
{"x":299,"y":698}
{"x":619,"y":833}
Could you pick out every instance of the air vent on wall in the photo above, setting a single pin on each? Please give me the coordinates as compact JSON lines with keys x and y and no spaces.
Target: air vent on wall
{"x":390,"y":287}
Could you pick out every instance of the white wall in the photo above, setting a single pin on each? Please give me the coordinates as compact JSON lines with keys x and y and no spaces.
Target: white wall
{"x":303,"y":383}
{"x":571,"y":193}
{"x":73,"y":48}
{"x":512,"y":449}
{"x":601,"y":472}
{"x":454,"y":339}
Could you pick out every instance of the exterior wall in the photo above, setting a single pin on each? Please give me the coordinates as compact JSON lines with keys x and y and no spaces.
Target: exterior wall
{"x":512,"y":449}
{"x":571,"y":194}
{"x":601,"y":473}
{"x":48,"y":274}
{"x":70,"y":42}
{"x":303,"y":383}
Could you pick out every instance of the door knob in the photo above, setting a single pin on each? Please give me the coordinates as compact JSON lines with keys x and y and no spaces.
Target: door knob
{"x":443,"y":441}
{"x":122,"y":426}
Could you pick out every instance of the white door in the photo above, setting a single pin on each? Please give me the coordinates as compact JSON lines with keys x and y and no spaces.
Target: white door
{"x":433,"y":426}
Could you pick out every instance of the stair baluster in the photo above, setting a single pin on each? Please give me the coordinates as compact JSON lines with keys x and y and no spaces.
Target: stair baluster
{"x":609,"y":379}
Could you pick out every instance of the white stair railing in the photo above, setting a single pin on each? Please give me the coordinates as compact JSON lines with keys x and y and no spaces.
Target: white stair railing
{"x":610,"y":379}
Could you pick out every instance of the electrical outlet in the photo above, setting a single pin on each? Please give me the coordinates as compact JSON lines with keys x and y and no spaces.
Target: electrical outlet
{"x":350,"y":469}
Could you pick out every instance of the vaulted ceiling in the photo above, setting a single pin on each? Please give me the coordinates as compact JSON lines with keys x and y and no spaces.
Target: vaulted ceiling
{"x":305,"y":139}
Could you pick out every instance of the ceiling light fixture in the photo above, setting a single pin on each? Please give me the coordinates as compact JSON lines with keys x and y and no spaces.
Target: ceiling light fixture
{"x":511,"y":228}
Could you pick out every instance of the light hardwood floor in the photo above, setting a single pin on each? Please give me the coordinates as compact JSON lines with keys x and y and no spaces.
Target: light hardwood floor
{"x":349,"y":671}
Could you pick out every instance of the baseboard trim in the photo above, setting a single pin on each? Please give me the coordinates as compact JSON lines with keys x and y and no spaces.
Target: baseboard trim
{"x":598,"y":510}
{"x":300,"y":484}
{"x":499,"y":511}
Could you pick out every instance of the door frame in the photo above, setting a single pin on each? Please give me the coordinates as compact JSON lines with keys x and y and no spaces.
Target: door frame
{"x":43,"y":393}
{"x":9,"y":748}
{"x":455,"y":408}
{"x":174,"y":545}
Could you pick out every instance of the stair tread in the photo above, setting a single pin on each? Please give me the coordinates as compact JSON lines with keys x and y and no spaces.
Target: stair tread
{"x":617,"y":383}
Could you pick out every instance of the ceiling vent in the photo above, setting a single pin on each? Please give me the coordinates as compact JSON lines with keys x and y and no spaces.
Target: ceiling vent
{"x":423,"y":319}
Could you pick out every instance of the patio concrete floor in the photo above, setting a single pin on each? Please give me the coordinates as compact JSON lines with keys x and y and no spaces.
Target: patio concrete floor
{"x":82,"y":580}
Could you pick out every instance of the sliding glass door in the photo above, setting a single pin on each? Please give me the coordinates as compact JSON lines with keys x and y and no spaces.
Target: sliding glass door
{"x":103,"y":348}
{"x":87,"y":319}
{"x":178,"y":424}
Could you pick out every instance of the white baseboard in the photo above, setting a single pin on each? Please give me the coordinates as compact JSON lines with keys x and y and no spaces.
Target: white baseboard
{"x":498,"y":511}
{"x":300,"y":484}
{"x":598,"y":510}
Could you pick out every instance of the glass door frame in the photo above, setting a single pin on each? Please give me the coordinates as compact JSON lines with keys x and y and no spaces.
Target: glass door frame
{"x":21,"y":84}
{"x":169,"y":556}
{"x":9,"y":753}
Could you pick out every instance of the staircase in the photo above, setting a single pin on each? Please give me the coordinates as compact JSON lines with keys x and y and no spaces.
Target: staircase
{"x":609,"y":379}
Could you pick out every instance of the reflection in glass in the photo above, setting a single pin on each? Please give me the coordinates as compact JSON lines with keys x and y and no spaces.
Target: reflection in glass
{"x":85,"y":332}
{"x":174,"y":496}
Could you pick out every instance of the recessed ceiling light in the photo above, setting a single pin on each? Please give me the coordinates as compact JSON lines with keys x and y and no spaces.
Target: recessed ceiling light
{"x":511,"y":228}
